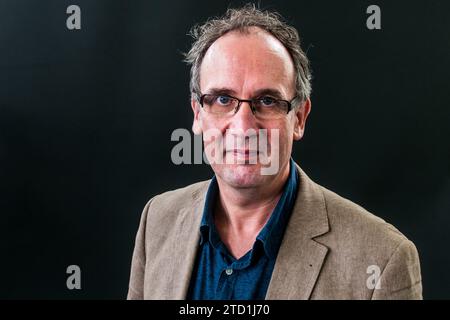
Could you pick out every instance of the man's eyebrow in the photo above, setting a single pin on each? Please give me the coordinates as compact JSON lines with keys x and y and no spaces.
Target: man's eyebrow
{"x":258,"y":93}
{"x":270,"y":92}
{"x":218,"y":91}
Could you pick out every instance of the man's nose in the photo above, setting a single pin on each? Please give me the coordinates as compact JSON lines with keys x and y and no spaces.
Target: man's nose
{"x":244,"y":118}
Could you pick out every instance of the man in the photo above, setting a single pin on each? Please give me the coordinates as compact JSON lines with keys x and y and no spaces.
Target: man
{"x":246,"y":234}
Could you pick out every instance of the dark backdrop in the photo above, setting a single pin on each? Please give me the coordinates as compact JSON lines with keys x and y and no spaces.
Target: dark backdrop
{"x":86,"y":118}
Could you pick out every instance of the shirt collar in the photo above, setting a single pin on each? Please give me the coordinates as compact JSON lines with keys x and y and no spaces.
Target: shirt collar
{"x":272,"y":233}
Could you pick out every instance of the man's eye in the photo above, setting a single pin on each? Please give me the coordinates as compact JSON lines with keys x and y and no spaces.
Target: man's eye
{"x":267,"y":101}
{"x":223,"y":100}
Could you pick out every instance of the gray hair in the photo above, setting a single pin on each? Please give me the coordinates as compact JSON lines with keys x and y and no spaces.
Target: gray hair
{"x":241,"y":20}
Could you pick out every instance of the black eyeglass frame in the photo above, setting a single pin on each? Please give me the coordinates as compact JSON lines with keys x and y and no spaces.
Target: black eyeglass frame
{"x":289,"y":103}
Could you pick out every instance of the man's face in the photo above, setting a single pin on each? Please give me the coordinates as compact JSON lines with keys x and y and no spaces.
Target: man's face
{"x":243,"y":66}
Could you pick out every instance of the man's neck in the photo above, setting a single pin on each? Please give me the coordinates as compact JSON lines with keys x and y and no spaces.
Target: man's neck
{"x":245,"y":211}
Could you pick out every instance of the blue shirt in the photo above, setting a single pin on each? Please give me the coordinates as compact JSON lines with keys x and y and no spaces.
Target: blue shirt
{"x":217,"y":275}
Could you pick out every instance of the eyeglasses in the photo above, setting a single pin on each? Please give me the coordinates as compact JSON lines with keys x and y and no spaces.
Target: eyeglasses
{"x":264,"y":107}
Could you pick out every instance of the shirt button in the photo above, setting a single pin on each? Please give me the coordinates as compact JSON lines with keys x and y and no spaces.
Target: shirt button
{"x":229,"y":272}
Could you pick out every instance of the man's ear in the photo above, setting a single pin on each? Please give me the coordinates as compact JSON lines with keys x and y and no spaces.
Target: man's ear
{"x":301,"y":114}
{"x":196,"y":125}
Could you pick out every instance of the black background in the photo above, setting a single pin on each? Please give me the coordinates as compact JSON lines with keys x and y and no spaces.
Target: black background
{"x":86,"y":118}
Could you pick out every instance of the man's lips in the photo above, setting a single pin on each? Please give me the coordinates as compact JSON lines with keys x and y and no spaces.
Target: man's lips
{"x":245,"y":155}
{"x":243,"y":152}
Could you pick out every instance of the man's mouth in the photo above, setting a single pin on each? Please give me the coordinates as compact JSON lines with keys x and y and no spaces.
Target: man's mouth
{"x":242,"y":154}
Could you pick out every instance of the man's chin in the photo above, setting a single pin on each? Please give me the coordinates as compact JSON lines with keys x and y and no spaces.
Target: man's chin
{"x":241,"y":175}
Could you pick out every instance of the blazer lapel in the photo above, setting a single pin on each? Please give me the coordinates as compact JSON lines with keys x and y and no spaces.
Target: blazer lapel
{"x":300,"y":257}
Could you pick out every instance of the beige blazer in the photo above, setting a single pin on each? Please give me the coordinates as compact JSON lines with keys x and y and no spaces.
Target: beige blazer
{"x":332,"y":249}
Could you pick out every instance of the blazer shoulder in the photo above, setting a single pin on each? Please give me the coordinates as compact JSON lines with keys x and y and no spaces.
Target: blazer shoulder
{"x":175,"y":200}
{"x":355,"y":225}
{"x":179,"y":195}
{"x":360,"y":243}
